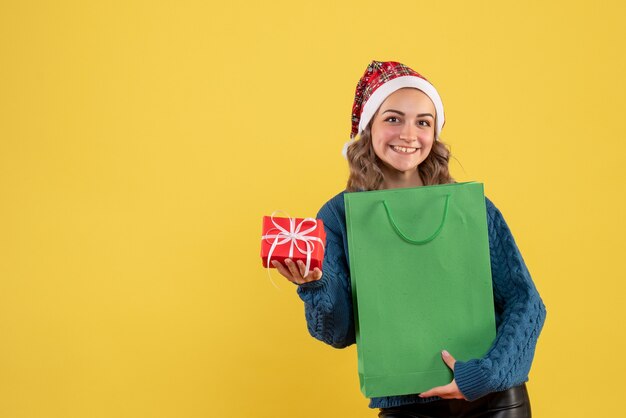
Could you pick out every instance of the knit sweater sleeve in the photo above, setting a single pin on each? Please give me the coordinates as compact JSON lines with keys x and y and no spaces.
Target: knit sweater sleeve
{"x":328,"y":301}
{"x":521,"y":314}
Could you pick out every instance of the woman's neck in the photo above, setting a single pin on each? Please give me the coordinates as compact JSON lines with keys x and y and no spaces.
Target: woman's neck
{"x":398,"y":180}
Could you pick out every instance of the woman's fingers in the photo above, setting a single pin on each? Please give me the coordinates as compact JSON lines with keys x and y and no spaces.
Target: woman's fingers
{"x":449,"y":391}
{"x":441,"y":391}
{"x":448,"y":359}
{"x":293,"y":268}
{"x":313,"y":275}
{"x":294,"y":271}
{"x":283,"y":270}
{"x":316,"y":274}
{"x":301,"y":267}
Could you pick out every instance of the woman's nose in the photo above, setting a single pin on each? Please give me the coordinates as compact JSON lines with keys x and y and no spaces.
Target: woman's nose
{"x":409,"y":132}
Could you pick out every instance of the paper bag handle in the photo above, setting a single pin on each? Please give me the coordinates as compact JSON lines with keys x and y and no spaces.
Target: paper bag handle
{"x":418,"y":242}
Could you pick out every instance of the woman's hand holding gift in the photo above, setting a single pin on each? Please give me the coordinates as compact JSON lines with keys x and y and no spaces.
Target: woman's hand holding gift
{"x":294,"y":271}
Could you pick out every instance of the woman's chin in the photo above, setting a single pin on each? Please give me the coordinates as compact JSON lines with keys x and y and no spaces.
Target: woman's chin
{"x":402,"y":169}
{"x":405,"y":164}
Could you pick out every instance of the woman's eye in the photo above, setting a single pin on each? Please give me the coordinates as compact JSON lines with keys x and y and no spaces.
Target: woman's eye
{"x":391,"y":119}
{"x":423,"y":123}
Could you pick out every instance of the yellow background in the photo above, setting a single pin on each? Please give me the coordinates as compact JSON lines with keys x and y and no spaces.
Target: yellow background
{"x":142,"y":142}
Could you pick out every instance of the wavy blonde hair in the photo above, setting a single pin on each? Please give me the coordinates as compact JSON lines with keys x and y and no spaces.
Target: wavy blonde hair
{"x":365,"y":172}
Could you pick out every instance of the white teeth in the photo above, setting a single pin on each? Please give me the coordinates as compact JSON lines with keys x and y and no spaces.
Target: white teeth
{"x":403,"y":149}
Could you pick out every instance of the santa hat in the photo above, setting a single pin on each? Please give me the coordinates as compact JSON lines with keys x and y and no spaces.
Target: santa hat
{"x":378,"y":82}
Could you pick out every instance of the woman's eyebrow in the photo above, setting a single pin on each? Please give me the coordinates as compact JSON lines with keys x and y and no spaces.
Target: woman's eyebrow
{"x":420,"y":115}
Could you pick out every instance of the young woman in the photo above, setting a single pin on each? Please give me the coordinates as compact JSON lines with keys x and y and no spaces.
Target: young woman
{"x":396,"y":122}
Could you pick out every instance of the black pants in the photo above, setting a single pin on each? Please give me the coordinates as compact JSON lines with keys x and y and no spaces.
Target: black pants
{"x":511,"y":403}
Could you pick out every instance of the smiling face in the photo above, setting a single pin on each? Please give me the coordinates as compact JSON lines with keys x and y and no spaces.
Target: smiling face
{"x":403,"y":131}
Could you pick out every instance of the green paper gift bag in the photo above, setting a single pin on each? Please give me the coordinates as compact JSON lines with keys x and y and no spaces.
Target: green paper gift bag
{"x":421,"y":283}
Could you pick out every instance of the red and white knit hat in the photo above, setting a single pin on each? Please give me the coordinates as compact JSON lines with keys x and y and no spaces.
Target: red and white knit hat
{"x":378,"y":82}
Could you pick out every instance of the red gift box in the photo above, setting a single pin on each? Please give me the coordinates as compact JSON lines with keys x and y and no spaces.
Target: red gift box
{"x":294,"y":238}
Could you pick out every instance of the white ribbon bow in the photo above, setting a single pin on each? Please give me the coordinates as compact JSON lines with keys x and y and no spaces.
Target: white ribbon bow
{"x":295,"y":235}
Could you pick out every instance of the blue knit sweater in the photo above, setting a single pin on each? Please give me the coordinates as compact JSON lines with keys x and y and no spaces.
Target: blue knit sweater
{"x":520,"y":312}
